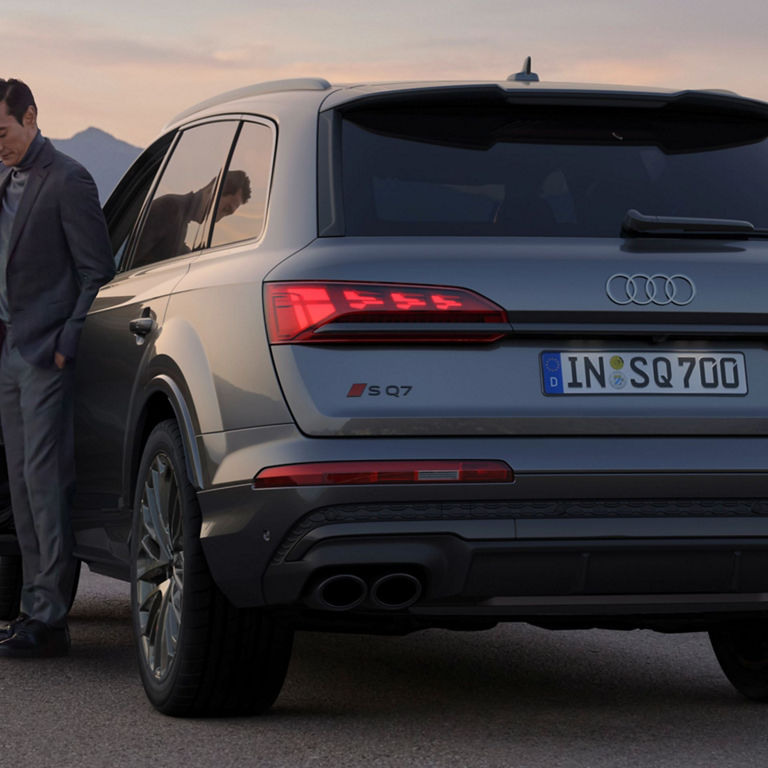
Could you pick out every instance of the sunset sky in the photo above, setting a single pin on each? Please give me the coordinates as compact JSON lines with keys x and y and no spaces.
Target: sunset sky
{"x":128,"y":67}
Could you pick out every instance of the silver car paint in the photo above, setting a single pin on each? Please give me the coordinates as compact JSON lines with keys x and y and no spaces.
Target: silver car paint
{"x":248,"y":413}
{"x":496,"y":389}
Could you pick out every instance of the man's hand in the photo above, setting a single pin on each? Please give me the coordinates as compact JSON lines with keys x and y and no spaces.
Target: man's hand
{"x":60,"y":360}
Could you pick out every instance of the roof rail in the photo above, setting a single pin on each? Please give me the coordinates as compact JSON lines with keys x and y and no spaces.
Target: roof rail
{"x":273,"y":86}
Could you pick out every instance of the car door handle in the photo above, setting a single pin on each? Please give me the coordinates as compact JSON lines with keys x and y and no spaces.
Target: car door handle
{"x":141,"y":326}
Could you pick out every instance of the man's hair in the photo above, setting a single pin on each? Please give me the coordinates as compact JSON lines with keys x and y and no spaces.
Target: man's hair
{"x":237,"y":180}
{"x":17,"y":97}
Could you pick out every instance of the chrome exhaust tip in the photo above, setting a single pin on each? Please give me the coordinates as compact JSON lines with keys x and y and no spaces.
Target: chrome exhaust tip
{"x":395,"y":591}
{"x":340,"y":592}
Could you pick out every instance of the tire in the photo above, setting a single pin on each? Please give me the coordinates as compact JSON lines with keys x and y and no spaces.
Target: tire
{"x":198,"y":654}
{"x":742,"y":651}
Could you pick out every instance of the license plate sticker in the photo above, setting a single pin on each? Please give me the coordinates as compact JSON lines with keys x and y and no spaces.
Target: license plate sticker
{"x":587,"y":372}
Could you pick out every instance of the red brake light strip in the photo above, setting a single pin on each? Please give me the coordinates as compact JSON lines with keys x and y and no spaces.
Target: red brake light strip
{"x":352,"y":312}
{"x":384,"y":472}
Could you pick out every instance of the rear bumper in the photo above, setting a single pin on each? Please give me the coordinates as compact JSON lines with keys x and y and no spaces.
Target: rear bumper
{"x":556,"y":543}
{"x":508,"y":577}
{"x":506,"y":567}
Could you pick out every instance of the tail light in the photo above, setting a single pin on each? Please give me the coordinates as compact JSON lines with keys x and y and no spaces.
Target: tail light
{"x":383,"y":472}
{"x":353,"y":312}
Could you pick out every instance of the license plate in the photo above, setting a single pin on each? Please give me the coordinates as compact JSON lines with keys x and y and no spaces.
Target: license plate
{"x":586,"y":372}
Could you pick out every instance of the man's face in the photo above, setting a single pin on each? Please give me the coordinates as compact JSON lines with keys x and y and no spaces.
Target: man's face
{"x":228,"y":204}
{"x":16,"y":137}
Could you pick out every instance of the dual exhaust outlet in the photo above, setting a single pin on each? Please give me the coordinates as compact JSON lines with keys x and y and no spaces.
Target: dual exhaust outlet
{"x":344,"y":591}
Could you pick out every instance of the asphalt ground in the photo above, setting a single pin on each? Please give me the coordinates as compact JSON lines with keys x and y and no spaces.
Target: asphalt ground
{"x":512,"y":696}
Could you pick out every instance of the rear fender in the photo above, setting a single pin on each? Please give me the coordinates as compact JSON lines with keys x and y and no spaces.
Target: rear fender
{"x":163,"y":397}
{"x":178,"y":383}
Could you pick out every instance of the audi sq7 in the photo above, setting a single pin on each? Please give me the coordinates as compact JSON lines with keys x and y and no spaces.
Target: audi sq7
{"x":386,"y":357}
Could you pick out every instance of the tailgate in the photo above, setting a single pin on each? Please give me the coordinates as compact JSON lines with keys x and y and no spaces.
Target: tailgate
{"x":600,"y":336}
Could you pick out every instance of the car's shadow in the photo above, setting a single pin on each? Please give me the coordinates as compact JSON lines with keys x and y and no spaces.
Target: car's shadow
{"x":431,"y":698}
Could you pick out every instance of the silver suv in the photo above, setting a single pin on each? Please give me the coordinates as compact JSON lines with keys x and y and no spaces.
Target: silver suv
{"x":386,"y":357}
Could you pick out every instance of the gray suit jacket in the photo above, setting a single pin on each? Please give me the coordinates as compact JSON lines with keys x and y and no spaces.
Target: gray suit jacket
{"x":59,"y":257}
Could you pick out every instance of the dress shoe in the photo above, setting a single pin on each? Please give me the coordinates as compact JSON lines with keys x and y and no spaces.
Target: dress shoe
{"x":8,"y":629}
{"x":35,"y":640}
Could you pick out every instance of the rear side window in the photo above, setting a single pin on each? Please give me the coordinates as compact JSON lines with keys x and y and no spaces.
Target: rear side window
{"x":503,"y":169}
{"x":242,"y":206}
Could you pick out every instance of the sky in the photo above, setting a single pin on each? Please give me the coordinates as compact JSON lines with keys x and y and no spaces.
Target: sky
{"x":128,"y":67}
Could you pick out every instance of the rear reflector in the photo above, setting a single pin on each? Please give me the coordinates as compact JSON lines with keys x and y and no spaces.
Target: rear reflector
{"x":381,"y":472}
{"x":354,"y":312}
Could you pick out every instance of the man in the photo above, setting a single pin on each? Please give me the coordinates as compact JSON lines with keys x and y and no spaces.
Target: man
{"x":166,"y":231}
{"x":54,"y":255}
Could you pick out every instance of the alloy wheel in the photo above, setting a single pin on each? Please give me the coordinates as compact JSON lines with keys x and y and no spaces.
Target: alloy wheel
{"x":160,"y":567}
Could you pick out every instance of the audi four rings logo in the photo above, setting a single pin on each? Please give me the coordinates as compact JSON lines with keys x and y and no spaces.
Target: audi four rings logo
{"x":650,"y":289}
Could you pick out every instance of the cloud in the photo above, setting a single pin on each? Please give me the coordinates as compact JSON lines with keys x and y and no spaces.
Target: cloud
{"x":66,"y":42}
{"x":128,"y":68}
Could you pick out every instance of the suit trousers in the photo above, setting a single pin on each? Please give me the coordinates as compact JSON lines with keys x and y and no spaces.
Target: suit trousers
{"x":36,"y":412}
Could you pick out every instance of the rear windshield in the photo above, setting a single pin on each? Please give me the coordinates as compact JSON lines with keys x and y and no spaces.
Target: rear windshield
{"x":500,"y":170}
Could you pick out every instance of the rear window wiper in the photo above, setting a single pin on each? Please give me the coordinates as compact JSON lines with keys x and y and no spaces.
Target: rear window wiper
{"x":638,"y":224}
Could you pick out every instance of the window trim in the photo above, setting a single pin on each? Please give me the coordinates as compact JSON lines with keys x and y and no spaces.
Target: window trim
{"x":272,"y":127}
{"x":124,"y":191}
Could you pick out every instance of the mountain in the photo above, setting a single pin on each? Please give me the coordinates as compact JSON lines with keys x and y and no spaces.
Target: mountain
{"x":106,"y":157}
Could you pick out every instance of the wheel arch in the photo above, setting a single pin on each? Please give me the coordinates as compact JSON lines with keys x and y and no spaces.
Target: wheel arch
{"x":162,"y":398}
